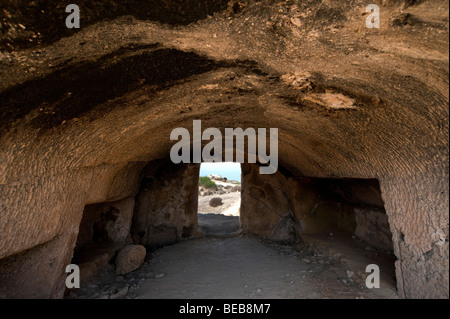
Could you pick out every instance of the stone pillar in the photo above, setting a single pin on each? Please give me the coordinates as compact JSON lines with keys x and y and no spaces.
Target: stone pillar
{"x":417,"y":207}
{"x":35,"y":267}
{"x":166,"y":206}
{"x":265,"y":207}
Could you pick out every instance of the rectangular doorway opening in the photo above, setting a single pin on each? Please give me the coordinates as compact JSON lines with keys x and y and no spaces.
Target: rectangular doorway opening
{"x":219,"y":199}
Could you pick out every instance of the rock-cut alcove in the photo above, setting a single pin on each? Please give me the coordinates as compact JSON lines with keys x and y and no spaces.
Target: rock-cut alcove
{"x":85,"y":115}
{"x":317,"y":211}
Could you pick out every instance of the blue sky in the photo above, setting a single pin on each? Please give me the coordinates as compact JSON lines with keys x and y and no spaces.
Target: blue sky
{"x":228,"y":170}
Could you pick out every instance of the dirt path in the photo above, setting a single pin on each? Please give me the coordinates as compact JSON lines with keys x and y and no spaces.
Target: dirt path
{"x":233,"y":267}
{"x":230,"y":206}
{"x":222,"y":263}
{"x":219,"y":225}
{"x":226,"y":268}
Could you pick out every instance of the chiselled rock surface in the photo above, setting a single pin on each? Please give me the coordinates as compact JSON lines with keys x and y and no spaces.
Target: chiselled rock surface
{"x":166,"y":206}
{"x":129,"y":259}
{"x":83,"y":111}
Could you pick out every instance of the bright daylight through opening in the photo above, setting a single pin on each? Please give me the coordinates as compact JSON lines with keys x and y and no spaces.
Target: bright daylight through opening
{"x":219,"y":198}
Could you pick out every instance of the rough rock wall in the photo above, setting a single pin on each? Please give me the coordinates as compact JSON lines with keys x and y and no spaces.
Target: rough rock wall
{"x":283,"y":207}
{"x":372,"y":225}
{"x":303,"y":209}
{"x":35,"y":253}
{"x":420,"y":235}
{"x":77,"y":105}
{"x":166,"y":206}
{"x":265,"y":207}
{"x":106,"y":222}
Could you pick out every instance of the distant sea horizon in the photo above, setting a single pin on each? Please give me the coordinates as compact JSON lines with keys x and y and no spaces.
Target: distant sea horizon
{"x":231,"y":171}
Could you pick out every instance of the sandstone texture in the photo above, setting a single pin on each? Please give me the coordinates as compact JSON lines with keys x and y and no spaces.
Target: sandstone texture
{"x":86,"y":116}
{"x":129,"y":259}
{"x":166,"y":206}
